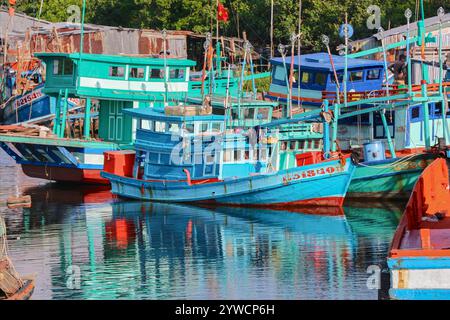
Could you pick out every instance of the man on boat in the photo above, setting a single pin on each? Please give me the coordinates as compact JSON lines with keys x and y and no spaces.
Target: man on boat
{"x":399,"y":69}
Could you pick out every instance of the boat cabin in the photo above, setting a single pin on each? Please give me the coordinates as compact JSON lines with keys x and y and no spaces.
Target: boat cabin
{"x":174,"y":146}
{"x":405,"y":124}
{"x":317,"y":78}
{"x":246,"y":113}
{"x":117,"y":83}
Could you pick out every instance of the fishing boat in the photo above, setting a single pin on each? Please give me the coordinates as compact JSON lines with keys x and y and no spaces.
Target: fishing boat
{"x":12,"y":286}
{"x":419,"y":257}
{"x":393,"y":131}
{"x":196,"y":158}
{"x":23,"y":100}
{"x":108,"y":85}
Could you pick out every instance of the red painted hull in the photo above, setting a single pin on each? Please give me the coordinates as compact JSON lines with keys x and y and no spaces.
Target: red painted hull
{"x":59,"y":174}
{"x":323,"y":202}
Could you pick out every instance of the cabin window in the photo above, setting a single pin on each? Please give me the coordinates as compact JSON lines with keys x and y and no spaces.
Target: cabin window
{"x":210,"y":158}
{"x":165,"y":158}
{"x":63,"y":67}
{"x":321,"y":79}
{"x":438,"y":109}
{"x":153,"y":157}
{"x":279,"y":74}
{"x":137,"y":73}
{"x":317,"y":144}
{"x":415,"y":113}
{"x":292,"y":145}
{"x":189,"y":127}
{"x":216,"y":127}
{"x":263,"y":154}
{"x":373,"y":74}
{"x":306,"y":77}
{"x":177,"y":74}
{"x":262,"y":114}
{"x":356,"y":76}
{"x":295,"y":75}
{"x":249,"y":113}
{"x":301,"y":144}
{"x":234,"y":114}
{"x":157,"y":74}
{"x":174,"y":128}
{"x":203,"y":127}
{"x":218,"y":111}
{"x":283,"y":146}
{"x":228,"y":156}
{"x":340,"y":77}
{"x":117,"y":72}
{"x":147,"y":125}
{"x":160,"y":126}
{"x":237,"y":155}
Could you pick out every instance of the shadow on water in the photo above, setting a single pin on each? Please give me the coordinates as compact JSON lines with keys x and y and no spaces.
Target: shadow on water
{"x":134,"y":250}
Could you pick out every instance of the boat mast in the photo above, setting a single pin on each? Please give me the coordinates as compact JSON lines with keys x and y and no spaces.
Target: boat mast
{"x":164,"y":34}
{"x":426,"y":113}
{"x":299,"y":51}
{"x":271,"y":30}
{"x":442,"y":93}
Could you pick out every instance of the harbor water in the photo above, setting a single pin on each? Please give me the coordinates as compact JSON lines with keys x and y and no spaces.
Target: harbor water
{"x":80,"y":243}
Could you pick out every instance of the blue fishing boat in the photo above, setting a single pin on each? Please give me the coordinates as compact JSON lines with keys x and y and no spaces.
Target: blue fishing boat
{"x":196,"y":159}
{"x":31,"y":104}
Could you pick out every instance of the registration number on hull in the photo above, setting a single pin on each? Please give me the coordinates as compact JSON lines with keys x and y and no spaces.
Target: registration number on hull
{"x":330,"y":170}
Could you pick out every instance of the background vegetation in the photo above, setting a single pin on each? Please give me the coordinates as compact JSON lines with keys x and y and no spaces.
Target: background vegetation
{"x":252,"y":16}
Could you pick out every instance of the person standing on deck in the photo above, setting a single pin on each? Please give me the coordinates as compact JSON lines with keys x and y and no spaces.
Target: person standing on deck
{"x":399,"y":69}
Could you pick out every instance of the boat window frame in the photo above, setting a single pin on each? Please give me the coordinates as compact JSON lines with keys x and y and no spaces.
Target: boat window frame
{"x":160,"y":78}
{"x":177,"y":79}
{"x":117,"y":77}
{"x":368,"y":71}
{"x":60,"y":64}
{"x":353,"y":72}
{"x":130,"y":70}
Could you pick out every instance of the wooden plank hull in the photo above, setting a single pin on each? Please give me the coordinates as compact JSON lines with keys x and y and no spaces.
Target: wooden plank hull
{"x":59,"y":161}
{"x":25,"y":292}
{"x":419,"y":258}
{"x":322,"y":184}
{"x":387,"y":179}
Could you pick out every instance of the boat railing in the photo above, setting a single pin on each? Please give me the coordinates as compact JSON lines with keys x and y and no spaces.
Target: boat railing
{"x":393,"y":90}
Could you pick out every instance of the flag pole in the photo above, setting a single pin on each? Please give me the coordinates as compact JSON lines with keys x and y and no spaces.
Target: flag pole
{"x":217,"y":20}
{"x":271,"y":30}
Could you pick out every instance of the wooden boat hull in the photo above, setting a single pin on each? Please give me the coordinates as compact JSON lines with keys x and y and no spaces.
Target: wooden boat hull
{"x":323,"y":184}
{"x":25,"y":292}
{"x":419,"y":258}
{"x":59,"y":160}
{"x":387,"y":179}
{"x":31,"y":105}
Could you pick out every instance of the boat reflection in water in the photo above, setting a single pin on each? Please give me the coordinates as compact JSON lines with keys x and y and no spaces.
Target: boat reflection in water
{"x":134,"y":250}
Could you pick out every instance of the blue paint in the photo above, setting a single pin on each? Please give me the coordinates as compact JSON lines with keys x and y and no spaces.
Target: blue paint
{"x":420,"y":263}
{"x":420,"y":294}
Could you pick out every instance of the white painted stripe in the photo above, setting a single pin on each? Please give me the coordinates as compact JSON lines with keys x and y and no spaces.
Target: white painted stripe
{"x":421,"y":279}
{"x":93,"y":159}
{"x":133,"y":85}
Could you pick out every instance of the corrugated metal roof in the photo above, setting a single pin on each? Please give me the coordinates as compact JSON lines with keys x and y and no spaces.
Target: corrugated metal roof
{"x":20,"y":23}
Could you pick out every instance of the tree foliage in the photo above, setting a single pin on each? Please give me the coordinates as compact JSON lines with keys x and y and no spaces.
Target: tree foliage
{"x":252,"y":16}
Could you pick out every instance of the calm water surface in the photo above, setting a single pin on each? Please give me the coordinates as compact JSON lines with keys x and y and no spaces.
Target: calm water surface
{"x":130,"y":250}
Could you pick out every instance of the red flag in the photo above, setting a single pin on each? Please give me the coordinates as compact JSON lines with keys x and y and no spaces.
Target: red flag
{"x":222,"y":13}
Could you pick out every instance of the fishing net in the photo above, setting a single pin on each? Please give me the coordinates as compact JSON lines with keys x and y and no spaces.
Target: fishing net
{"x":10,"y":281}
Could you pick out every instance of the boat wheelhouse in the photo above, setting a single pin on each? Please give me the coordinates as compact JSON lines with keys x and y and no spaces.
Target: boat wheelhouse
{"x":317,"y":78}
{"x":109,"y":84}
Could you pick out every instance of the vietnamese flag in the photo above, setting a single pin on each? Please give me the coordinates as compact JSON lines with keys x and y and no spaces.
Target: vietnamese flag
{"x":222,"y":13}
